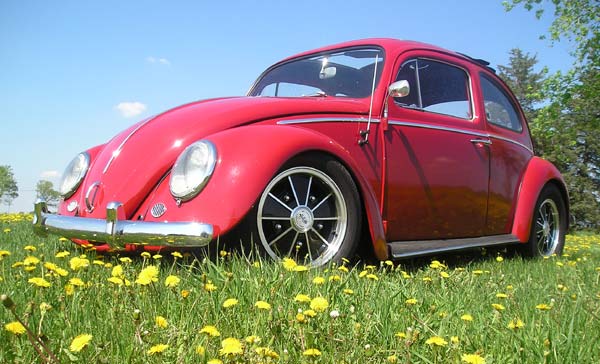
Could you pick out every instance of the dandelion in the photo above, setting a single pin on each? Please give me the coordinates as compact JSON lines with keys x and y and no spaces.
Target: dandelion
{"x":210,"y":287}
{"x":116,"y":280}
{"x":4,"y":253}
{"x":392,"y":359}
{"x":210,"y":331}
{"x":30,"y":260}
{"x":363,"y":273}
{"x":231,"y":346}
{"x":427,"y":279}
{"x":311,"y":352}
{"x":400,"y":335}
{"x":310,"y":313}
{"x":454,"y":339}
{"x":214,"y":361}
{"x":117,"y":271}
{"x":161,"y":322}
{"x":147,"y":276}
{"x":40,"y":282}
{"x":252,"y":339}
{"x":45,"y":307}
{"x":125,"y":260}
{"x":437,"y":265}
{"x":172,"y":281}
{"x":80,"y":342}
{"x":69,"y":289}
{"x":15,"y":328}
{"x":230,"y":302}
{"x":185,"y":293}
{"x":266,"y":352}
{"x":30,"y":248}
{"x":300,"y":268}
{"x":348,"y":291}
{"x":472,"y":359}
{"x":444,"y":275}
{"x":157,"y":349}
{"x":262,"y":305}
{"x":301,"y":318}
{"x":411,"y":301}
{"x":176,"y":255}
{"x":543,"y":307}
{"x":498,"y":307}
{"x":501,"y":295}
{"x":289,"y":264}
{"x":302,"y":298}
{"x":319,"y":304}
{"x":318,"y":281}
{"x":466,"y":317}
{"x":499,"y":259}
{"x":157,"y":257}
{"x":200,"y":350}
{"x":77,"y":263}
{"x":436,"y":341}
{"x":516,"y":324}
{"x":145,"y":255}
{"x":372,"y":277}
{"x":62,"y":254}
{"x":343,"y":268}
{"x":335,"y":278}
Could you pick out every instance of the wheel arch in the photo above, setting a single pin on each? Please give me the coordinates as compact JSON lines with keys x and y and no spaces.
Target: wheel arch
{"x":538,"y":174}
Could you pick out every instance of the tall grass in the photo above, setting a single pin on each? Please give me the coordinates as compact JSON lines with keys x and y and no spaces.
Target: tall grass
{"x":492,"y":308}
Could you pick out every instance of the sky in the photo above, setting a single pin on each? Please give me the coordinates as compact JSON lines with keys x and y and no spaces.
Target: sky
{"x":75,"y":73}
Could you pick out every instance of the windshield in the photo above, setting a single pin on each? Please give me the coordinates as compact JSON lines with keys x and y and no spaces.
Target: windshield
{"x":345,"y":73}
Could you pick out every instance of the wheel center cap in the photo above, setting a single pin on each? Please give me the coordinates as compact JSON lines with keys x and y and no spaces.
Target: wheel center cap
{"x":302,"y":219}
{"x":546,"y":229}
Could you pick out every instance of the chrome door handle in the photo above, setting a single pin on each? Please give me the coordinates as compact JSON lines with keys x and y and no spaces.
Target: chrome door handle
{"x":481,"y":141}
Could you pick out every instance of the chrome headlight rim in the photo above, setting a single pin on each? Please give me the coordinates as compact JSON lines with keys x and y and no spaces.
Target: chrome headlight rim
{"x":180,"y":170}
{"x":70,"y":171}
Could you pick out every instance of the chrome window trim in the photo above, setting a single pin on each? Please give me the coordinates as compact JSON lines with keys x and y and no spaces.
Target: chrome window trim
{"x":325,"y":120}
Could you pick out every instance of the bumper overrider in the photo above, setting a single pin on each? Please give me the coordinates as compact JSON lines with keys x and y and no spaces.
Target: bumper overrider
{"x":117,"y":233}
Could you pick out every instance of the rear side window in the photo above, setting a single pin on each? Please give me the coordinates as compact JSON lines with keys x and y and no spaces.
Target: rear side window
{"x":499,"y":109}
{"x":436,"y":87}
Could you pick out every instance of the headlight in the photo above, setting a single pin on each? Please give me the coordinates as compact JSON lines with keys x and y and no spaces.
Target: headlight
{"x":193,"y":169}
{"x":74,"y":174}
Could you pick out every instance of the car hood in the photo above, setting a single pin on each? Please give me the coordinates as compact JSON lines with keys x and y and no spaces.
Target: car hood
{"x":131,"y":164}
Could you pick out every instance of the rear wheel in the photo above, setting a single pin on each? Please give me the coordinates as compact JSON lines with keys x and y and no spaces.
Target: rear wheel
{"x":310,"y":212}
{"x":547,"y":235}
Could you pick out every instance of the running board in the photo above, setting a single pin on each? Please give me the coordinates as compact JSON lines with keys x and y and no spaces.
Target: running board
{"x":408,"y":249}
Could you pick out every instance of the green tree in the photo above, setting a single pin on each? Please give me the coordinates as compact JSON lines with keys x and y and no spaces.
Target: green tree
{"x":45,"y":190}
{"x":567,"y":128}
{"x":8,"y":186}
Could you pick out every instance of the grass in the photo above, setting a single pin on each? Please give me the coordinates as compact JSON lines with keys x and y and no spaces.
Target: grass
{"x":492,"y":308}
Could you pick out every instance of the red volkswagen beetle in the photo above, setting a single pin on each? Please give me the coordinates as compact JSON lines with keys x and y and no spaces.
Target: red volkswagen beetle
{"x":400,"y":146}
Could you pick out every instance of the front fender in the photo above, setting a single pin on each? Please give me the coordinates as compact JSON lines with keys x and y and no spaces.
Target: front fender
{"x":539,"y":173}
{"x":248,"y":157}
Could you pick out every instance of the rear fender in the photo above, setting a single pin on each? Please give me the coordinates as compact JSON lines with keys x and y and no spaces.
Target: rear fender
{"x":538,"y":174}
{"x":248,"y":157}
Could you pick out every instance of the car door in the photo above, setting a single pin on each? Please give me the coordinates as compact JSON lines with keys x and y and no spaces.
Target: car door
{"x":437,"y":153}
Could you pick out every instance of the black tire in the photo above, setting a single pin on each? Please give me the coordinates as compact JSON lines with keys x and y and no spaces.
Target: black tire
{"x":549,"y":225}
{"x":310,"y":211}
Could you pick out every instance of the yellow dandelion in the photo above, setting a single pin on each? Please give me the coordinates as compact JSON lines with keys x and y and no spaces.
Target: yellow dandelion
{"x":466,"y":317}
{"x":230,"y":302}
{"x":252,"y":339}
{"x":4,"y":253}
{"x":125,"y":260}
{"x":77,"y":263}
{"x":454,"y":339}
{"x":30,"y":260}
{"x":301,"y":318}
{"x":411,"y":301}
{"x":300,"y":268}
{"x":30,"y":248}
{"x":499,"y":258}
{"x":147,"y":276}
{"x":343,"y":268}
{"x":498,"y":307}
{"x":200,"y":350}
{"x":157,"y":256}
{"x":116,"y":280}
{"x":172,"y":281}
{"x":161,"y":322}
{"x":543,"y":307}
{"x":310,"y":313}
{"x":516,"y":324}
{"x":157,"y":349}
{"x":318,"y":281}
{"x":477,"y":272}
{"x":501,"y":295}
{"x":15,"y":328}
{"x":436,"y":264}
{"x":262,"y":305}
{"x":400,"y":335}
{"x":176,"y":255}
{"x":76,"y":282}
{"x":302,"y":298}
{"x":335,"y":278}
{"x":231,"y":346}
{"x":427,"y":279}
{"x":363,"y":273}
{"x":80,"y":342}
{"x":210,"y":330}
{"x":348,"y":291}
{"x":146,"y":255}
{"x":372,"y":277}
{"x":436,"y":341}
{"x":312,"y":352}
{"x":214,"y":361}
{"x":209,"y":287}
{"x":266,"y":352}
{"x":185,"y":293}
{"x":289,"y":264}
{"x":472,"y":359}
{"x":444,"y":275}
{"x":319,"y":304}
{"x":117,"y":271}
{"x":69,"y":289}
{"x":40,"y":282}
{"x":392,"y":359}
{"x":62,"y":254}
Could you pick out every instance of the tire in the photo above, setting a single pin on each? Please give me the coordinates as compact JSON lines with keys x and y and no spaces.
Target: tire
{"x":310,"y":211}
{"x":548,"y":227}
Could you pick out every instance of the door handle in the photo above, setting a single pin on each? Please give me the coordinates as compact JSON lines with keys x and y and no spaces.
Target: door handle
{"x":481,"y":141}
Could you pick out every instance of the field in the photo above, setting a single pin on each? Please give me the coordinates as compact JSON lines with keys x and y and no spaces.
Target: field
{"x":481,"y":307}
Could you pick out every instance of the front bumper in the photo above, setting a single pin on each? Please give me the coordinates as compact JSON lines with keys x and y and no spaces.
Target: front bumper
{"x":117,"y":233}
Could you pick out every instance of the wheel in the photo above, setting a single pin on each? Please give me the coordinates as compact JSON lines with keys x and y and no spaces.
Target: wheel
{"x":547,"y":236}
{"x":310,"y":211}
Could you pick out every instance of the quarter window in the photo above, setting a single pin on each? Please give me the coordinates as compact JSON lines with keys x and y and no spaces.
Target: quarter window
{"x":436,"y":87}
{"x":499,"y":109}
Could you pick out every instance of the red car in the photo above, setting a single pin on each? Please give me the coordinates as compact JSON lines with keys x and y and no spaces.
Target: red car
{"x":399,"y":146}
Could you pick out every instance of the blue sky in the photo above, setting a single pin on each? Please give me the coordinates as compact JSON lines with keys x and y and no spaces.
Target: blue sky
{"x":75,"y":73}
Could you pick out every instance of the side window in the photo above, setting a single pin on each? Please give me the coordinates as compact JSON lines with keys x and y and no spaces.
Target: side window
{"x":499,"y":110}
{"x":436,"y":87}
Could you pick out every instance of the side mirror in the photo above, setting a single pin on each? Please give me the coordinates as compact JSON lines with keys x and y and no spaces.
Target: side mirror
{"x":399,"y":89}
{"x":327,"y":72}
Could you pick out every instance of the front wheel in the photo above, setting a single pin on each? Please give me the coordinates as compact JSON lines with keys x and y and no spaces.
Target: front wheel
{"x":310,"y":212}
{"x":547,"y":235}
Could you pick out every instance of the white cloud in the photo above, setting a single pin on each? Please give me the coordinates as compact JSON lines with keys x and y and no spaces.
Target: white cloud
{"x":50,"y":174}
{"x":163,"y":61}
{"x":130,"y":108}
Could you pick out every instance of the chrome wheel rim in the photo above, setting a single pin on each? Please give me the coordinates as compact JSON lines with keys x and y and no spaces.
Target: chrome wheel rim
{"x":547,"y":228}
{"x":302,"y":215}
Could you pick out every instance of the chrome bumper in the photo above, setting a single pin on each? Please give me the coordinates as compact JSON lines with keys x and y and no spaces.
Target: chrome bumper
{"x":116,"y":233}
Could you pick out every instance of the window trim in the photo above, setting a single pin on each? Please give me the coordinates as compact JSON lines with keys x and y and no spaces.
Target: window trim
{"x":469,"y":82}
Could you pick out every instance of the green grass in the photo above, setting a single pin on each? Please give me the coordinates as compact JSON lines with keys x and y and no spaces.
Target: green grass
{"x":376,"y":324}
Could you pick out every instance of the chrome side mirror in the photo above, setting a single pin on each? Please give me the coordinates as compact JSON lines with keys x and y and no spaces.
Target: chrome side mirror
{"x":399,"y":89}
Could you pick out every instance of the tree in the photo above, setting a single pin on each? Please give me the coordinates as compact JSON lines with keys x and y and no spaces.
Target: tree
{"x":8,"y":186}
{"x":45,"y":190}
{"x":525,"y":83}
{"x":567,"y":128}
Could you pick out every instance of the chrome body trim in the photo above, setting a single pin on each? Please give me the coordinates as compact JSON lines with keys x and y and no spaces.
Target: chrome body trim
{"x":116,"y":233}
{"x":117,"y":151}
{"x":326,"y":120}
